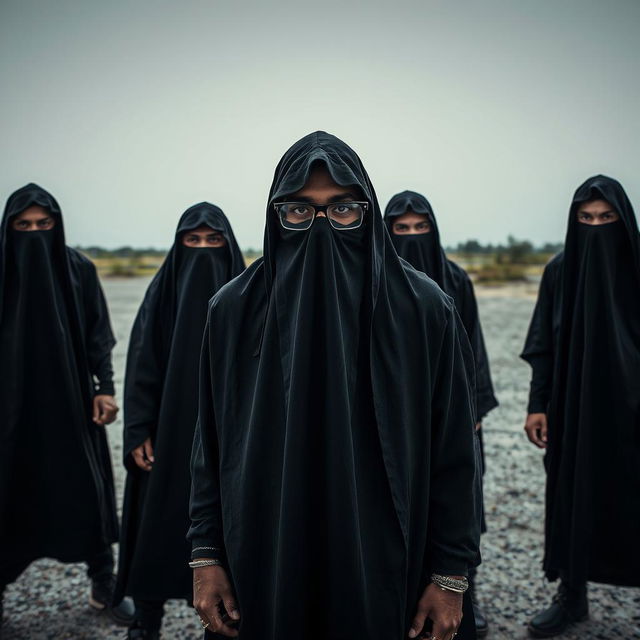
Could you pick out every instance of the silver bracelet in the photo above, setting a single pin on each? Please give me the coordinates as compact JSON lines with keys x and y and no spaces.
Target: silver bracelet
{"x":196,"y":564}
{"x":446,"y":583}
{"x":205,"y":548}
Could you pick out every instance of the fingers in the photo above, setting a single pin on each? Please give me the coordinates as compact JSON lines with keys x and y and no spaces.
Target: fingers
{"x":148,"y":450}
{"x":418,"y":621}
{"x":231,"y":606}
{"x":209,"y":612}
{"x":536,"y":430}
{"x":104,"y":409}
{"x":478,"y":426}
{"x":543,"y":430}
{"x":140,"y":459}
{"x":445,"y":630}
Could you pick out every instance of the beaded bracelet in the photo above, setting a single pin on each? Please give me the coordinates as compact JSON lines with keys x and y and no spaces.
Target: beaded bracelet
{"x":196,"y":564}
{"x":450,"y":584}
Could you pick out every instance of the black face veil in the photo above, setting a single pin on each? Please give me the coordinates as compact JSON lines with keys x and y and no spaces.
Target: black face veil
{"x":340,"y":415}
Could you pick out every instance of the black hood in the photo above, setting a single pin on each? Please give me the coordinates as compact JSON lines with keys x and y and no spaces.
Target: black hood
{"x":423,"y":251}
{"x":28,"y":196}
{"x":346,"y":169}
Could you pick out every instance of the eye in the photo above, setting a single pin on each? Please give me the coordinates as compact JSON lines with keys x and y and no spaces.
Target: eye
{"x":342,"y":209}
{"x":300,"y":210}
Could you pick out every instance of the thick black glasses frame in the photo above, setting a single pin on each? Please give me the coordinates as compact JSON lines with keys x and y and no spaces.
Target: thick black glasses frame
{"x":317,"y":208}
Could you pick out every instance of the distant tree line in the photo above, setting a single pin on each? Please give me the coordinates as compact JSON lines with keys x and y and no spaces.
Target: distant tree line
{"x":121,"y":252}
{"x":514,"y":251}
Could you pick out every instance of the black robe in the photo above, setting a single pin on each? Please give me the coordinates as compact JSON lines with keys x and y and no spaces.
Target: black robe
{"x":584,"y":348}
{"x":56,"y":486}
{"x":161,"y":403}
{"x":335,"y":465}
{"x":425,"y":253}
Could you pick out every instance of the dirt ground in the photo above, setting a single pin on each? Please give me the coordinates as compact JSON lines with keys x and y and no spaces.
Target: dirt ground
{"x":49,"y":601}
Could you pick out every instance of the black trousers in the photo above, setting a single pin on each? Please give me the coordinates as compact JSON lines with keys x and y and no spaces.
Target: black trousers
{"x":149,"y":613}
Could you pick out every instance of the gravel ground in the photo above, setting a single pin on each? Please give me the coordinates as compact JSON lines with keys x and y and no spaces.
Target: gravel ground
{"x":49,"y":601}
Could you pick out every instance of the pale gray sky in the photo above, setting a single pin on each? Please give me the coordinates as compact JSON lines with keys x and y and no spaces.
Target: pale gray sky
{"x":129,"y":112}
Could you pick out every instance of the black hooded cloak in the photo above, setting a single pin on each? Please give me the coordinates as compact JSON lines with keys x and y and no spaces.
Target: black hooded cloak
{"x":425,"y":253}
{"x":161,"y":403}
{"x":584,"y":348}
{"x":56,"y":486}
{"x":334,"y":464}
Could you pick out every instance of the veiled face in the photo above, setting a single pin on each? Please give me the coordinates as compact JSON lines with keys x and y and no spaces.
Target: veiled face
{"x":410,"y":223}
{"x":33,"y":219}
{"x":597,"y":212}
{"x":203,"y":237}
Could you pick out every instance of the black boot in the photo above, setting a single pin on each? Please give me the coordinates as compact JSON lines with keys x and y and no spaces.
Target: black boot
{"x":569,"y":605}
{"x":137,"y":632}
{"x":482,"y":626}
{"x":101,"y":599}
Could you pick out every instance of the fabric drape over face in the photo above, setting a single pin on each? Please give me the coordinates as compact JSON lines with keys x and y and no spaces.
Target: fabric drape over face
{"x":56,"y":485}
{"x":161,"y":400}
{"x":584,"y":347}
{"x":334,"y":462}
{"x":424,"y":252}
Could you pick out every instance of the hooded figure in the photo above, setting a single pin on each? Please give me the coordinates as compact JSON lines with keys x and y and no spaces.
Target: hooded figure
{"x":334,"y":464}
{"x":424,"y":252}
{"x":160,"y":406}
{"x":56,"y":486}
{"x":584,"y":407}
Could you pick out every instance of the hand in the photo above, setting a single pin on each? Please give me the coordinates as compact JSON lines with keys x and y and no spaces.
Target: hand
{"x":479,"y":426}
{"x":214,"y":601}
{"x":105,"y":409}
{"x":143,"y":455}
{"x":536,"y":428}
{"x":443,"y":608}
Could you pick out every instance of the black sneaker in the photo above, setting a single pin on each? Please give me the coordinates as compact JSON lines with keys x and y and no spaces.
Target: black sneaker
{"x":568,"y":606}
{"x":101,"y":599}
{"x":137,"y":632}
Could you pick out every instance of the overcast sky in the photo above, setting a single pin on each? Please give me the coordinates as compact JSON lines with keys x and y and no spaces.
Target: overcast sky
{"x":129,"y":112}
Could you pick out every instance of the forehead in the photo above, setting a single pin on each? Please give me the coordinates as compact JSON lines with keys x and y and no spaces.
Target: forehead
{"x":596,"y":205}
{"x":34,"y":211}
{"x":411,"y":218}
{"x":203,"y":228}
{"x":320,"y":181}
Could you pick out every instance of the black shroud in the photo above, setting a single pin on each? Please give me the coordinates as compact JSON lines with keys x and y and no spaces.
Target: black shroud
{"x":584,"y":348}
{"x":334,"y":460}
{"x":425,"y":253}
{"x":161,"y":402}
{"x":56,"y":486}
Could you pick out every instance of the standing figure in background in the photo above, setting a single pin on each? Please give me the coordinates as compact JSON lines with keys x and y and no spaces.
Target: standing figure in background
{"x":584,"y":406}
{"x":414,"y":233}
{"x":335,"y":481}
{"x":56,"y":485}
{"x":160,"y":412}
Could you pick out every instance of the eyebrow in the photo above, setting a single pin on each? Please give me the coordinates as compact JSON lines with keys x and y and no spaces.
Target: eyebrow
{"x":336,"y":198}
{"x":601,"y":213}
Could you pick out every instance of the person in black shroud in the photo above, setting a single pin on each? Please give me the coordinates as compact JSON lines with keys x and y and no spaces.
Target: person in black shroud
{"x":335,"y":469}
{"x":56,"y":485}
{"x":160,"y":412}
{"x":584,"y":406}
{"x":414,"y":232}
